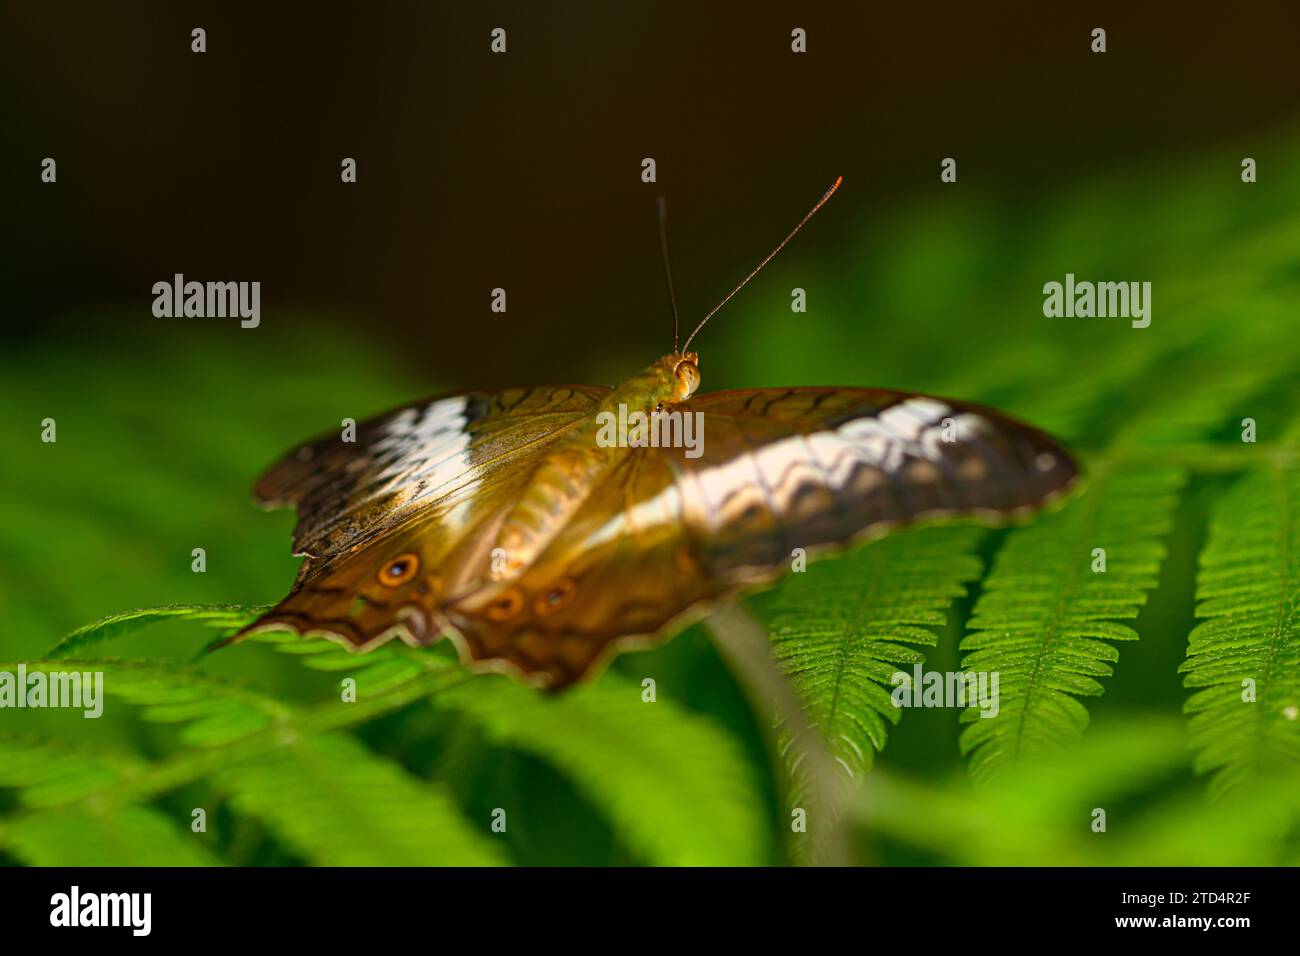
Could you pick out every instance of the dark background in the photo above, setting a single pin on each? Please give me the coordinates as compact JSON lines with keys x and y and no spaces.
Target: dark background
{"x":523,"y":171}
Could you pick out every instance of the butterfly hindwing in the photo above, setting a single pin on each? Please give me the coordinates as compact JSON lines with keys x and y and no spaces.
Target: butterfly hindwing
{"x":617,"y":572}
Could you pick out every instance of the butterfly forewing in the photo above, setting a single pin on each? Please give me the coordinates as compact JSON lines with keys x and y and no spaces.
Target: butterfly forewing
{"x":432,"y":481}
{"x":423,"y":456}
{"x":817,"y":468}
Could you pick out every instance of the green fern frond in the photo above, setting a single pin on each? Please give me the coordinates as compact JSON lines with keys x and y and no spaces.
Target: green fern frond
{"x":1044,"y":619}
{"x":338,"y":804}
{"x":101,"y":835}
{"x":1046,"y":813}
{"x":51,"y":777}
{"x":843,"y":628}
{"x":336,"y":796}
{"x":375,"y":673}
{"x":1039,"y":813}
{"x":47,"y":773}
{"x":1244,"y":656}
{"x":677,"y":786}
{"x":1253,"y":827}
{"x":1045,"y":616}
{"x":212,"y":710}
{"x":227,"y":617}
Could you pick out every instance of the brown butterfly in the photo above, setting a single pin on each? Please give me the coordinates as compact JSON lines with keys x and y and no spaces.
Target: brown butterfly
{"x":507,"y":521}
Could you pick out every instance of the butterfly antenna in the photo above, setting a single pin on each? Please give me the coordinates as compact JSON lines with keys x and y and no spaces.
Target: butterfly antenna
{"x":668,"y":270}
{"x":770,"y":256}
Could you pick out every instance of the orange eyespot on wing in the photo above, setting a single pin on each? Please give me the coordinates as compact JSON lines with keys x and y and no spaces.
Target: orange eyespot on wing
{"x":503,"y":608}
{"x":399,"y":570}
{"x":560,"y":594}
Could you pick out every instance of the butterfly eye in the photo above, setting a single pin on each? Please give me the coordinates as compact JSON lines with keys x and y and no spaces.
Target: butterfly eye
{"x":688,"y":380}
{"x":550,"y":601}
{"x":506,"y":606}
{"x":399,"y":570}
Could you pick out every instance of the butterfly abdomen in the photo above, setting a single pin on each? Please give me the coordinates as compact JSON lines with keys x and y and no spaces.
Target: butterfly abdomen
{"x":560,"y":483}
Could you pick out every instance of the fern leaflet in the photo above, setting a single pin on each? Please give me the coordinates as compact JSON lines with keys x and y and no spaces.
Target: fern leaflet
{"x":1244,"y":656}
{"x":339,"y":804}
{"x":843,"y":628}
{"x":228,"y":617}
{"x":1047,"y":609}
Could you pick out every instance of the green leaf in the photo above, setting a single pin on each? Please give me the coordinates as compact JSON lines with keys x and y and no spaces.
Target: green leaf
{"x":323,"y":793}
{"x":1045,"y":617}
{"x":212,"y":710}
{"x":1117,"y":797}
{"x":677,"y":786}
{"x":338,"y":804}
{"x":98,"y":832}
{"x":229,"y":617}
{"x":1249,"y":594}
{"x":102,"y":835}
{"x":50,"y":774}
{"x":843,"y":628}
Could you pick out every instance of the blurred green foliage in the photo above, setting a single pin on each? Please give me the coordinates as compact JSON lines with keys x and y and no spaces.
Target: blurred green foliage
{"x":160,"y":437}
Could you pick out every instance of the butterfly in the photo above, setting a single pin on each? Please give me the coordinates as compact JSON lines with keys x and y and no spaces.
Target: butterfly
{"x":502,"y":521}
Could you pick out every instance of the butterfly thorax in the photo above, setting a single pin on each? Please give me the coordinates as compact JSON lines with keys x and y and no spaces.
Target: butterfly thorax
{"x":581,"y":460}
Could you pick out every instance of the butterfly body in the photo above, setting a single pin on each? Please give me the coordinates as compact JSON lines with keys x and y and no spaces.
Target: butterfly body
{"x":503,"y":521}
{"x":580,"y":460}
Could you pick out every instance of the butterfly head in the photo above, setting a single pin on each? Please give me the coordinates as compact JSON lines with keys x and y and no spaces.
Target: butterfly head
{"x":686,"y":374}
{"x":676,"y":376}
